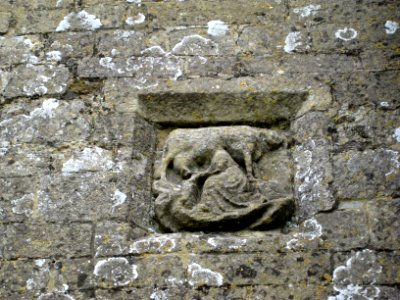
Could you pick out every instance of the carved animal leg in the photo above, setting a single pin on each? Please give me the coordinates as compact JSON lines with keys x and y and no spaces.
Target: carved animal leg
{"x":248,"y":161}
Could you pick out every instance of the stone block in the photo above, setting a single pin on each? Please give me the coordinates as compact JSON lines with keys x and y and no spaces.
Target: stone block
{"x":5,"y":18}
{"x":363,"y":125}
{"x":190,"y":13}
{"x":31,"y":240}
{"x":258,"y":269}
{"x":339,"y":230}
{"x":20,"y":49}
{"x":364,"y":269}
{"x":18,"y":199}
{"x":66,"y":45}
{"x":384,"y":223}
{"x":47,"y":121}
{"x":121,"y":43}
{"x":38,"y":21}
{"x":42,"y":276}
{"x":366,"y":174}
{"x":40,"y":80}
{"x":115,"y":239}
{"x":313,"y":177}
{"x":24,"y":161}
{"x":44,"y":4}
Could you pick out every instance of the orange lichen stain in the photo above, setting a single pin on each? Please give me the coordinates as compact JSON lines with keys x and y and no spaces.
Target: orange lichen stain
{"x":197,"y":116}
{"x":106,"y":238}
{"x":327,"y":277}
{"x":150,"y":98}
{"x":243,"y":83}
{"x":327,"y":245}
{"x":347,"y":156}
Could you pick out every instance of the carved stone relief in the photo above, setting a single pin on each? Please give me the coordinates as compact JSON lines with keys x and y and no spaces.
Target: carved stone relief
{"x":223,"y":178}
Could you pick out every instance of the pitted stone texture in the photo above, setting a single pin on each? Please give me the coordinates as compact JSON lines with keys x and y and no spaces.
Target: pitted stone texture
{"x":71,"y":44}
{"x":39,"y":240}
{"x":40,"y":80}
{"x":50,"y":275}
{"x":367,"y":174}
{"x":45,"y":121}
{"x":261,"y":269}
{"x":200,"y":13}
{"x":44,"y":4}
{"x":313,"y":178}
{"x":38,"y":21}
{"x":114,"y":238}
{"x":5,"y":18}
{"x":340,"y":230}
{"x":121,"y":43}
{"x":20,"y":49}
{"x":367,"y":126}
{"x":384,"y":223}
{"x":360,"y":273}
{"x":23,"y":161}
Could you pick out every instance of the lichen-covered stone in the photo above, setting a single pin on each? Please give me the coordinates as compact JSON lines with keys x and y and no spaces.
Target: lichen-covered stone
{"x":367,"y":174}
{"x":5,"y":18}
{"x":90,"y":91}
{"x":39,"y":240}
{"x":31,"y":80}
{"x":384,"y":223}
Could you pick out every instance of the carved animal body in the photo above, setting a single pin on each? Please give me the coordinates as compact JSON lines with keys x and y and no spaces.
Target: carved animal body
{"x":216,"y":187}
{"x":188,"y":149}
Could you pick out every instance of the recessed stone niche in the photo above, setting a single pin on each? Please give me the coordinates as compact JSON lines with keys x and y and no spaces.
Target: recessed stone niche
{"x":224,"y":161}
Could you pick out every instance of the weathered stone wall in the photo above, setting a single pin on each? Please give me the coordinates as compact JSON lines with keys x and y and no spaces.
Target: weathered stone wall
{"x":90,"y":88}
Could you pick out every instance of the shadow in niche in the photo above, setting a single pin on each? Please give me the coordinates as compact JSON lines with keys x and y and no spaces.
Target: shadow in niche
{"x":276,"y":109}
{"x":176,"y":211}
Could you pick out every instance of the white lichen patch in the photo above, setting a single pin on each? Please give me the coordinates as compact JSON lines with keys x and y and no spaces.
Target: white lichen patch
{"x":307,"y":11}
{"x":346,"y":34}
{"x":200,"y":276}
{"x":40,"y":262}
{"x":107,"y":62}
{"x":195,"y":45}
{"x":217,"y":28}
{"x":139,"y":19}
{"x":118,"y":198}
{"x":116,"y":270}
{"x":153,"y":244}
{"x":54,"y":56}
{"x":312,"y":230}
{"x":391,"y":27}
{"x":233,"y":243}
{"x":90,"y":159}
{"x":396,"y":134}
{"x":81,"y":20}
{"x":292,"y":41}
{"x":394,"y":163}
{"x":134,"y":1}
{"x":349,"y":280}
{"x":46,"y":110}
{"x":4,"y":146}
{"x":23,"y":205}
{"x":55,"y":295}
{"x":158,"y":294}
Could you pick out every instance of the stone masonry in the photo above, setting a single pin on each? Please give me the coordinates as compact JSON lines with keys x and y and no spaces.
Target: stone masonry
{"x":90,"y":90}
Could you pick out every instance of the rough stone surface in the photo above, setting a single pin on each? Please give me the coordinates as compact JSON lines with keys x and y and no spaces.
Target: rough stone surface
{"x":92,"y":94}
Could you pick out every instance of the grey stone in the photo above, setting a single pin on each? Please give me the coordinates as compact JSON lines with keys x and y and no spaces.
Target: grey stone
{"x":313,"y":178}
{"x":40,"y":80}
{"x":384,"y":223}
{"x":5,"y":18}
{"x":366,"y":174}
{"x":46,"y":240}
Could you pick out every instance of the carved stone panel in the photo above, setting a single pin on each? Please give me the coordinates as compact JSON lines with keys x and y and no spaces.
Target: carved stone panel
{"x":223,"y":178}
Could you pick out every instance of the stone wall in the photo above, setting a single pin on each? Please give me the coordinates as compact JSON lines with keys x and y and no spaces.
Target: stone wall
{"x":89,"y":90}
